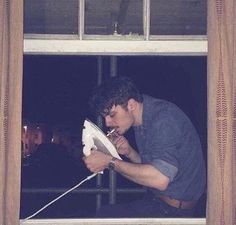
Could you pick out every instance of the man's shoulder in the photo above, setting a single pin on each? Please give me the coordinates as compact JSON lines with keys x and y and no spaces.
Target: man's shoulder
{"x":154,"y":102}
{"x":156,"y":106}
{"x":148,"y":98}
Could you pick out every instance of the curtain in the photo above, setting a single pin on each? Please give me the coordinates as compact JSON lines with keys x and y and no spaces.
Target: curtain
{"x":221,"y":208}
{"x":11,"y":55}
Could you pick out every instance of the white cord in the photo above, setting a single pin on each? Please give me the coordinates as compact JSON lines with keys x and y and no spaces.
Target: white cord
{"x":77,"y":185}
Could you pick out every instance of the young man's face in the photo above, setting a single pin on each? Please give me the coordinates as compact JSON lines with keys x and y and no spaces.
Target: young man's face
{"x":119,"y":118}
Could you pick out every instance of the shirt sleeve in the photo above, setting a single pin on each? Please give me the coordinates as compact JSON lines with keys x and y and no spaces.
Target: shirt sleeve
{"x":164,"y":144}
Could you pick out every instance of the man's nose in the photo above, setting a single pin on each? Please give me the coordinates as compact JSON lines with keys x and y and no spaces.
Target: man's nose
{"x":108,"y":121}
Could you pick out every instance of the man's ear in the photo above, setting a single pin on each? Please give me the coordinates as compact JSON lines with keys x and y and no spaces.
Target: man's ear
{"x":132,"y":104}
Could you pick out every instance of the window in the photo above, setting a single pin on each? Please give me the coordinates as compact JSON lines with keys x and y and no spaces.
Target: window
{"x":123,"y":19}
{"x":178,"y":17}
{"x":56,"y":90}
{"x":51,"y":16}
{"x":128,"y":21}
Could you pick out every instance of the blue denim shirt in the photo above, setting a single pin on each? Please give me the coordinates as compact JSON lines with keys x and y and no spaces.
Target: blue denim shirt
{"x":168,"y":140}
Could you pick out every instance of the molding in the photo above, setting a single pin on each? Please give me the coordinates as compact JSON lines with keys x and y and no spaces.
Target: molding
{"x":137,"y":221}
{"x":115,"y":47}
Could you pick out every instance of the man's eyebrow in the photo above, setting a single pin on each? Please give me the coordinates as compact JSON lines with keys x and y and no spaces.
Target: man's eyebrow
{"x":106,"y":112}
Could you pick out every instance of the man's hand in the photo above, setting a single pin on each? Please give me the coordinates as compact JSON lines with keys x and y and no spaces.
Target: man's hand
{"x":124,"y":148}
{"x":121,"y":143}
{"x":97,"y":161}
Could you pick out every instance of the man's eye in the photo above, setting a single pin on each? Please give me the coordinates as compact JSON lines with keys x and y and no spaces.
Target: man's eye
{"x":112,"y":114}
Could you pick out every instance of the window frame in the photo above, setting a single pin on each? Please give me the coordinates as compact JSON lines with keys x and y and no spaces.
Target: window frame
{"x":146,"y":45}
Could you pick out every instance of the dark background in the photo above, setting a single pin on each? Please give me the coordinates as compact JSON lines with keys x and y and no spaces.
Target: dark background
{"x":55,"y":92}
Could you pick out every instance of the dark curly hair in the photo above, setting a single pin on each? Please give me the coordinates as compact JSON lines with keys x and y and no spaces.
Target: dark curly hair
{"x":114,"y":91}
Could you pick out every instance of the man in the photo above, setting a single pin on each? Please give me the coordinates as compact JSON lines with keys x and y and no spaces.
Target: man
{"x":169,"y":160}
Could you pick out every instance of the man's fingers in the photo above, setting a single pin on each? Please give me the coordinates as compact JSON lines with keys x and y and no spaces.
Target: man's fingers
{"x":116,"y":141}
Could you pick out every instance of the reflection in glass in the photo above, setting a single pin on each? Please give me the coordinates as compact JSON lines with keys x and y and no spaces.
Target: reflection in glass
{"x":51,"y":16}
{"x":178,"y":17}
{"x":114,"y":17}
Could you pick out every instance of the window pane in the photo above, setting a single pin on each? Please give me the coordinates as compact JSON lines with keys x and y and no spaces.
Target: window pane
{"x":178,"y":17}
{"x":114,"y":17}
{"x":51,"y":16}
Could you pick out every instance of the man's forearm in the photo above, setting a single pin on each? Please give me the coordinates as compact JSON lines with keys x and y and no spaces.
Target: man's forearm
{"x":142,"y":174}
{"x":134,"y":156}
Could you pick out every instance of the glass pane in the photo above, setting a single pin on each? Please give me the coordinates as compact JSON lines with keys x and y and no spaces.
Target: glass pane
{"x":178,"y":17}
{"x":51,"y":16}
{"x":114,"y":17}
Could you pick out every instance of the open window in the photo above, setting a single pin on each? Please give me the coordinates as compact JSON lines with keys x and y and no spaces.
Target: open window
{"x":134,"y":38}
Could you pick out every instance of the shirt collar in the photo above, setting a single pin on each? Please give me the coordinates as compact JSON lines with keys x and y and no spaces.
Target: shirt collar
{"x":145,"y":114}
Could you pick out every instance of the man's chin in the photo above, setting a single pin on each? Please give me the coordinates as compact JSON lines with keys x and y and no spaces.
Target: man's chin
{"x":122,"y":132}
{"x":119,"y":132}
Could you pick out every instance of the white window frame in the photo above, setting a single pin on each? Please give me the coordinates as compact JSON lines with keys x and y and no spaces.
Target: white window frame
{"x":147,"y":45}
{"x":136,"y":221}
